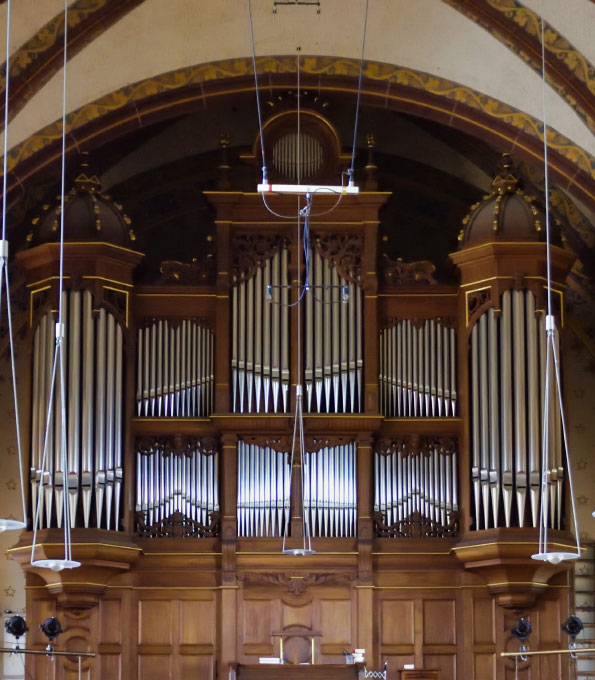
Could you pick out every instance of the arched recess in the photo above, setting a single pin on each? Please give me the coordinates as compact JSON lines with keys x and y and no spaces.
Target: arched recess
{"x":384,"y":85}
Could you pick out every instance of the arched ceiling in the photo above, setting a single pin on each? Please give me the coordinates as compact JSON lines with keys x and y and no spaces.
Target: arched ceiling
{"x":448,"y":85}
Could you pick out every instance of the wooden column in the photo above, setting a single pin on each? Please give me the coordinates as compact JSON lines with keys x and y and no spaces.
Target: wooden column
{"x":296,"y":254}
{"x":365,"y":533}
{"x":228,"y":601}
{"x":222,"y":317}
{"x":370,"y":291}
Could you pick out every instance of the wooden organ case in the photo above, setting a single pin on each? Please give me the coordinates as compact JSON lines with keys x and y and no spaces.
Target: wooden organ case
{"x":418,"y":475}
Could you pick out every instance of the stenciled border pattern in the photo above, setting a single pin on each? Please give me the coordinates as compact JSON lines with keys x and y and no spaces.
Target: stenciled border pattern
{"x":561,"y":55}
{"x":232,"y":69}
{"x":40,"y":57}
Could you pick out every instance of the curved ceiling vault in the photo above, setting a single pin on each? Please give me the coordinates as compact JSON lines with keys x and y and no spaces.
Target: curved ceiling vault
{"x":480,"y":76}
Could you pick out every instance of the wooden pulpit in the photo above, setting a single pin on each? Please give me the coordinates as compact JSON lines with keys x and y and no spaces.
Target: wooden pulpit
{"x":419,"y":674}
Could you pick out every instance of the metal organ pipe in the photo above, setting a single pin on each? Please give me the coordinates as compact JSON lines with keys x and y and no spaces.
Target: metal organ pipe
{"x":415,"y":486}
{"x":263,"y":490}
{"x":417,"y":370}
{"x":330,"y":491}
{"x":184,"y":482}
{"x":93,"y":364}
{"x":260,"y":339}
{"x":333,"y":359}
{"x":175,"y":373}
{"x":507,"y":369}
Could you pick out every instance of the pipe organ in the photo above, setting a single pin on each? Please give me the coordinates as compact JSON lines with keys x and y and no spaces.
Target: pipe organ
{"x":329,"y":485}
{"x":419,"y":466}
{"x":179,"y":476}
{"x":418,"y":374}
{"x":507,"y":381}
{"x":93,"y":368}
{"x":264,"y":478}
{"x":175,"y":369}
{"x":333,"y":358}
{"x":260,"y":332}
{"x":416,"y":489}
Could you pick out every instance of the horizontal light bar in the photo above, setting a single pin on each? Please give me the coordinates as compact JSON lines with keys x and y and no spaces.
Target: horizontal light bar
{"x":306,"y":189}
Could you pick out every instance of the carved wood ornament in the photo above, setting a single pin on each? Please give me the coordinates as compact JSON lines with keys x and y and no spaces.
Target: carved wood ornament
{"x":414,"y":444}
{"x":249,"y":252}
{"x":344,"y":251}
{"x":177,"y":445}
{"x":296,"y":583}
{"x":177,"y":525}
{"x":407,"y":273}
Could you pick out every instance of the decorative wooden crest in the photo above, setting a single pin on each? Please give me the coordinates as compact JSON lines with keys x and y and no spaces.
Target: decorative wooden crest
{"x":314,"y":443}
{"x":177,"y":525}
{"x":407,"y":273}
{"x":177,"y":445}
{"x":344,"y":251}
{"x":281,"y":444}
{"x":417,"y":526}
{"x":415,"y":444}
{"x":296,"y":583}
{"x":190,"y":273}
{"x":249,"y":252}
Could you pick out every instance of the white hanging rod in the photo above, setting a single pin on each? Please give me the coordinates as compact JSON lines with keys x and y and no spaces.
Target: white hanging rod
{"x":266,"y":188}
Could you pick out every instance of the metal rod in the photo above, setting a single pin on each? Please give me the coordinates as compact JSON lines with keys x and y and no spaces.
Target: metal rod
{"x":543,"y":652}
{"x":80,"y":655}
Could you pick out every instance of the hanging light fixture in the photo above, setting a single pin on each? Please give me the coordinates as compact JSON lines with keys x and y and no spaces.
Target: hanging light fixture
{"x":10,"y":523}
{"x":545,"y":554}
{"x":58,"y":371}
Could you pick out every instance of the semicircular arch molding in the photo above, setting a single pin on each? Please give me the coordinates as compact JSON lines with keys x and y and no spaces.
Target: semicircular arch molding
{"x":384,"y":85}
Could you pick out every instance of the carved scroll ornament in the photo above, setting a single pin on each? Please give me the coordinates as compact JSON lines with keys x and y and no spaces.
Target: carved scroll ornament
{"x":344,"y":251}
{"x":177,"y":445}
{"x":177,"y":525}
{"x":407,"y":273}
{"x":296,"y":584}
{"x":414,"y":444}
{"x":249,"y":252}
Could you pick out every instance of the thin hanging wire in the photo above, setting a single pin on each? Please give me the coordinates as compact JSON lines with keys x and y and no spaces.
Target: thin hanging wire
{"x":349,"y":172}
{"x":257,"y":90}
{"x":359,"y":92}
{"x":551,"y":357}
{"x":67,"y":563}
{"x":4,"y":278}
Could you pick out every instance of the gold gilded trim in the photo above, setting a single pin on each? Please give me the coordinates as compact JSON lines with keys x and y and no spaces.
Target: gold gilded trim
{"x":377,"y":72}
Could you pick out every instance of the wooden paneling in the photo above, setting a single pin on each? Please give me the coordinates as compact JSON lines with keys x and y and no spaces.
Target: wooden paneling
{"x":110,"y":611}
{"x":155,"y":667}
{"x":335,"y":622}
{"x":196,"y":667}
{"x":296,"y":615}
{"x":484,"y":621}
{"x":155,"y":622}
{"x":397,"y":622}
{"x":484,"y":666}
{"x":197,"y":622}
{"x":110,"y":666}
{"x":446,"y":664}
{"x":439,"y":625}
{"x":257,"y":622}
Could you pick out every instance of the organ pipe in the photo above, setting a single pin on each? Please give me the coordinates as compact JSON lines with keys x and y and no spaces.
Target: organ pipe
{"x":330,"y":500}
{"x":263,"y":490}
{"x":415,"y":487}
{"x":181,"y":478}
{"x":333,"y":358}
{"x":417,"y":370}
{"x":507,"y":380}
{"x":93,"y":366}
{"x":260,"y":338}
{"x":175,"y":370}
